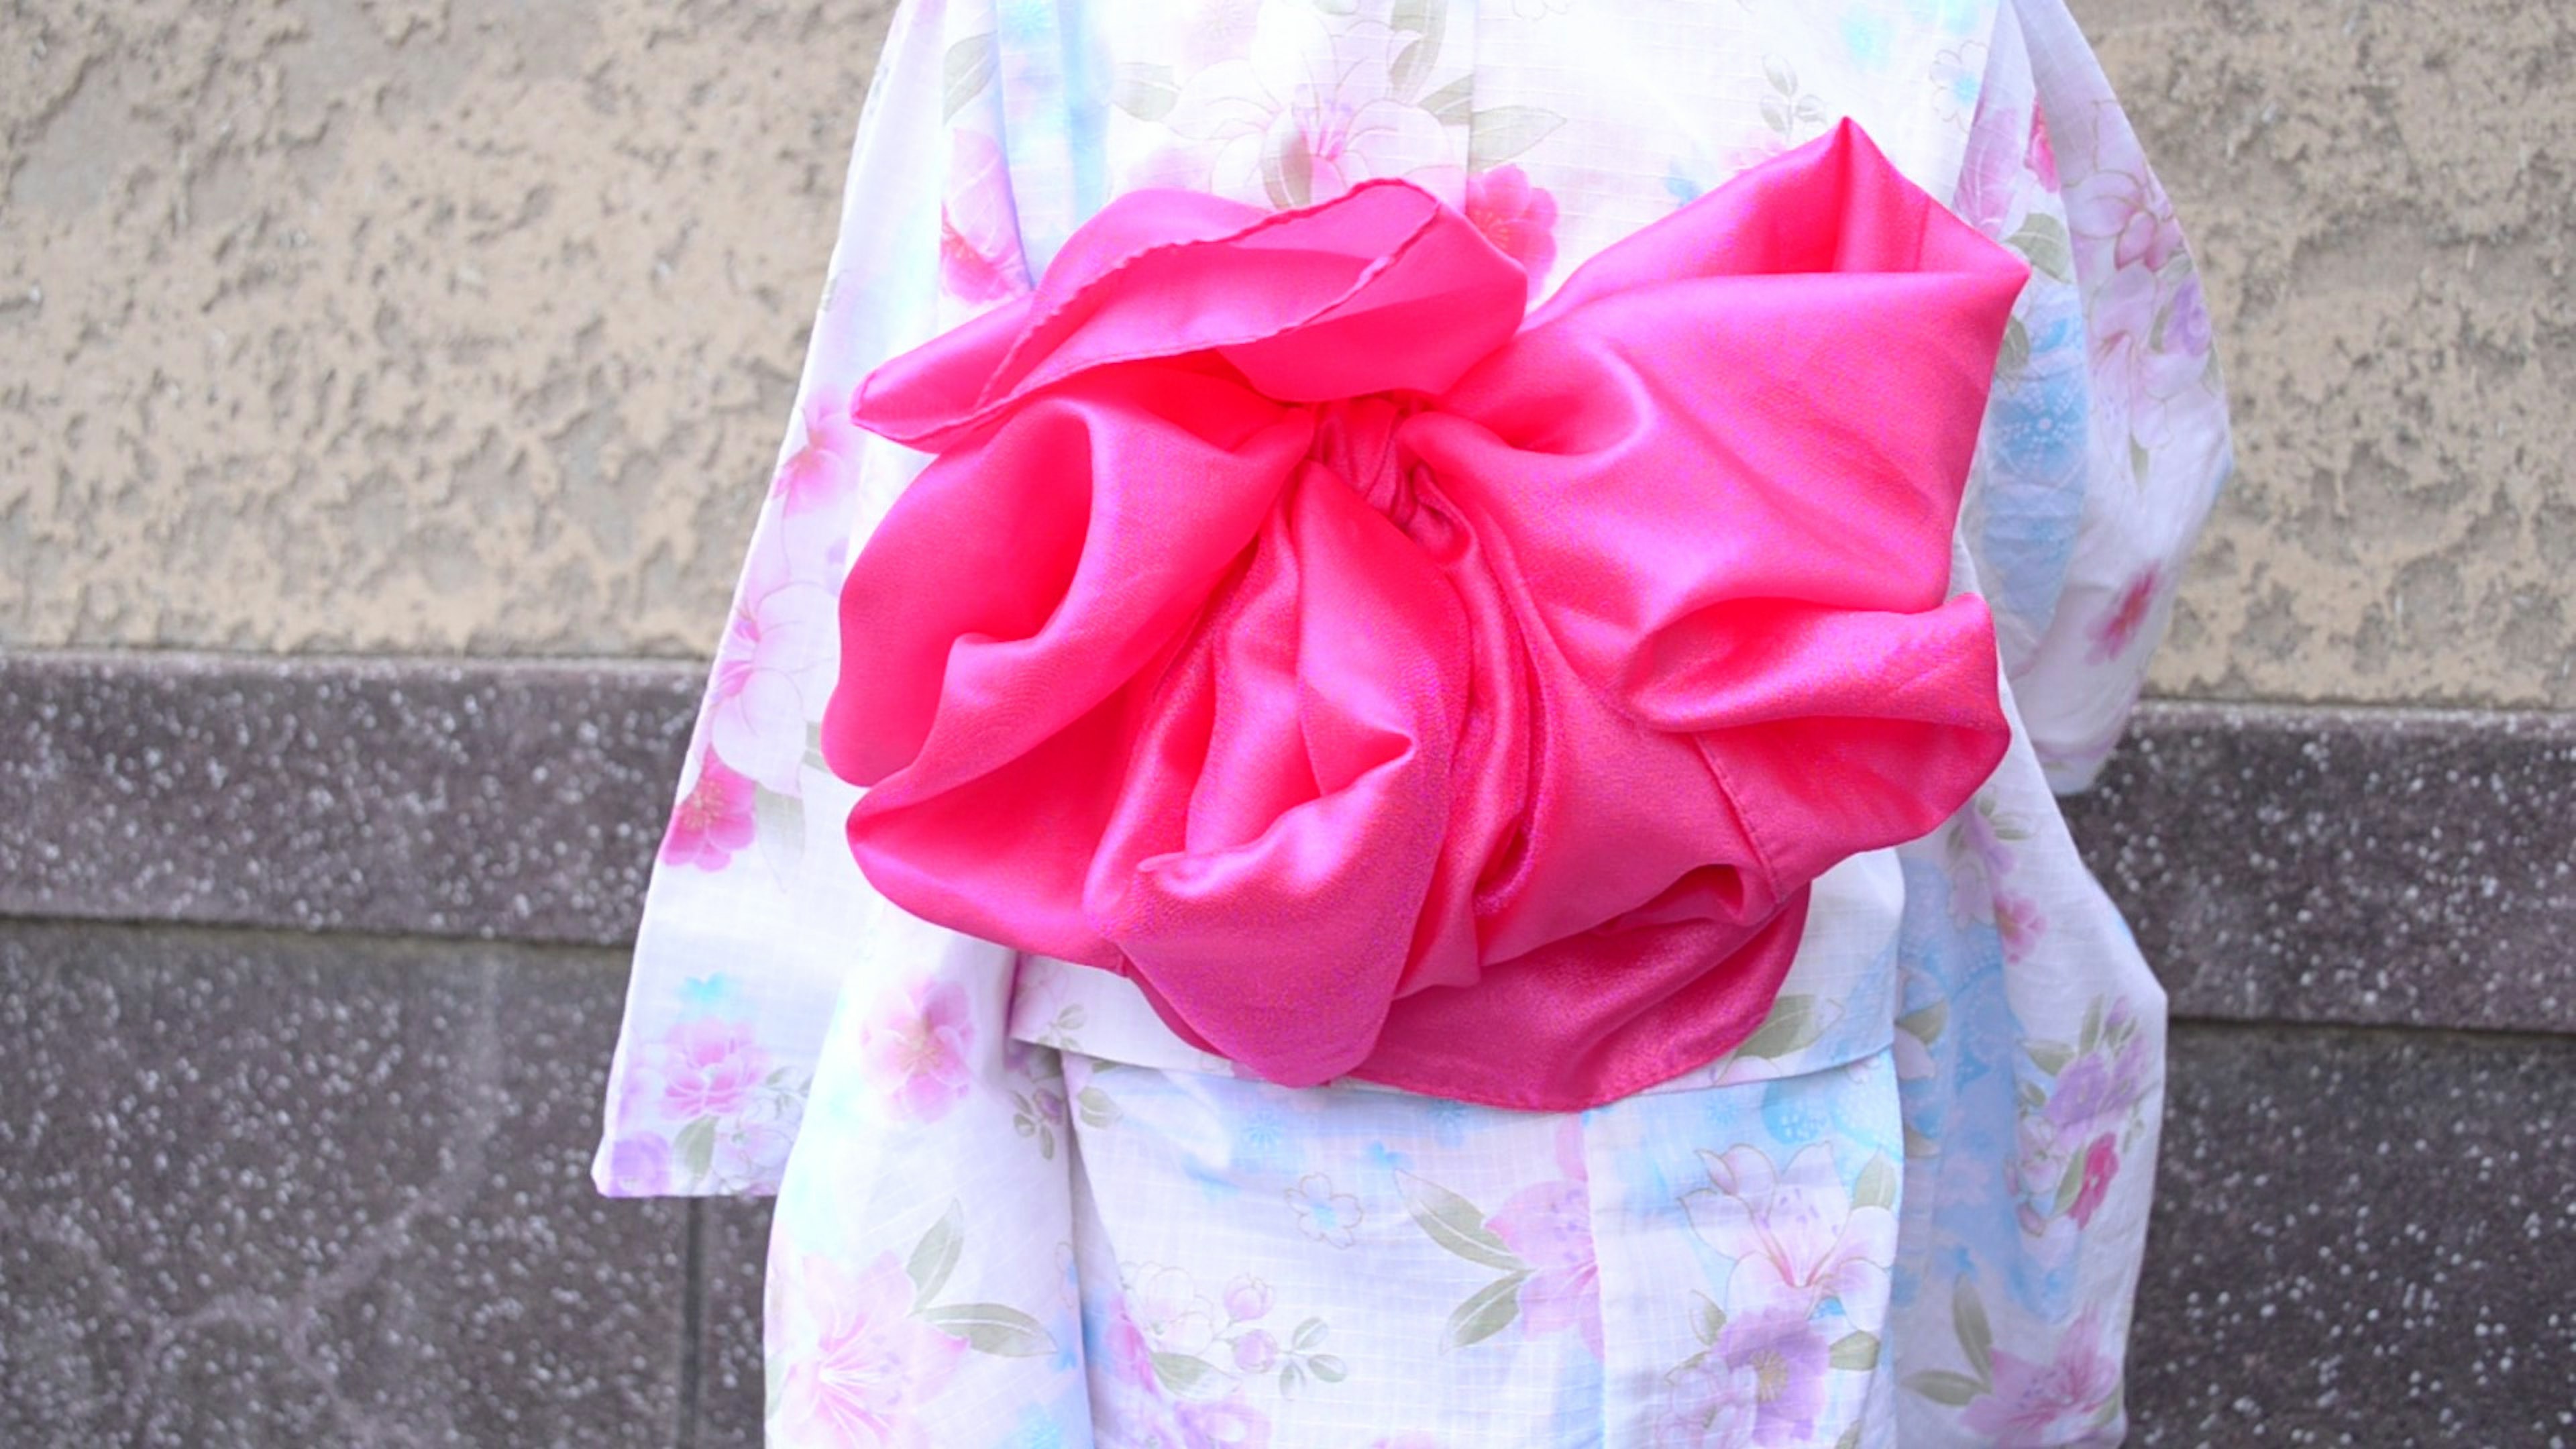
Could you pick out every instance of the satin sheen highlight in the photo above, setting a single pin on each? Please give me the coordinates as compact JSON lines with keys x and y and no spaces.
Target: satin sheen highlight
{"x":1397,"y":686}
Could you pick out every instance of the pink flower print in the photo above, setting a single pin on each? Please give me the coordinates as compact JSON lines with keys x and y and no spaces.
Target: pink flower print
{"x":2018,"y":921}
{"x":2130,"y":214}
{"x":2114,"y":631}
{"x":1224,"y":1424}
{"x":859,"y":1365}
{"x":980,"y":259}
{"x":2041,"y":157}
{"x":774,"y":668}
{"x":1788,"y":1359}
{"x":1517,"y":217}
{"x":1549,"y":1227}
{"x":712,"y":820}
{"x":1248,"y":1299}
{"x":823,"y":472}
{"x":1309,"y":110}
{"x":1809,"y":1242}
{"x":918,"y":1049}
{"x":2101,"y":1164}
{"x":1712,"y":1404}
{"x":1131,"y":1353}
{"x":710,"y":1068}
{"x":1256,"y":1351}
{"x":2060,"y":1402}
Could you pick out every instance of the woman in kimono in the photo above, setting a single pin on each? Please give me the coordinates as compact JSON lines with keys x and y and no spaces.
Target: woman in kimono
{"x":1430,"y":1127}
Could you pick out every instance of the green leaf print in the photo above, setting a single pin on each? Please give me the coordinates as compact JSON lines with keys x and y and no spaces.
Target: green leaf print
{"x":1956,"y":1390}
{"x":1877,"y":1185}
{"x":1855,"y":1351}
{"x":1454,"y":103}
{"x":779,"y":821}
{"x":1795,"y":1025}
{"x":1486,"y":1314}
{"x":1190,"y":1377}
{"x":1976,"y":1336}
{"x":1455,"y":1224}
{"x":1147,"y":92}
{"x":2042,"y":242}
{"x":695,"y":1147}
{"x":1926,"y":1025}
{"x":935,"y":1257}
{"x":1497,"y":135}
{"x":992,"y":1328}
{"x":969,"y":68}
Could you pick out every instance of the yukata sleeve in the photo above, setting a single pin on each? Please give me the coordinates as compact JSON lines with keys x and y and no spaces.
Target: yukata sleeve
{"x":757,"y":924}
{"x":2030,"y":1036}
{"x":788,"y":1031}
{"x":2106,"y":438}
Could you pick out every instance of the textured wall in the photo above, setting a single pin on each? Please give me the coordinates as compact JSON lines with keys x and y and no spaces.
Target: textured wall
{"x":437,"y":325}
{"x":468,"y":325}
{"x":2385,"y":198}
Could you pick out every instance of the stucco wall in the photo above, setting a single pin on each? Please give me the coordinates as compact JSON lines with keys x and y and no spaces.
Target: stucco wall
{"x":469,"y":325}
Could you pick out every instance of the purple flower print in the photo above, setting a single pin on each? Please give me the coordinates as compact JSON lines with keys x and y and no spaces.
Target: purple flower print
{"x":710,"y":1068}
{"x":859,"y":1365}
{"x":1799,"y":1238}
{"x":1788,"y":1358}
{"x":1713,"y":1404}
{"x":639,"y":1165}
{"x":2097,"y":1088}
{"x":2187,"y":320}
{"x":2065,"y":1401}
{"x":713,"y":820}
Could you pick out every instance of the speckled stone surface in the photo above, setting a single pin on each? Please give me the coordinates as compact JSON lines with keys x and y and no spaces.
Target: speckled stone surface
{"x":734,"y":1247}
{"x":2363,"y":866}
{"x":273,"y":1190}
{"x":2362,"y":1237}
{"x":499,"y":800}
{"x":2360,"y":866}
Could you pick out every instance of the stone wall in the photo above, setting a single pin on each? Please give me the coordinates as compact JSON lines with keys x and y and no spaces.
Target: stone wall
{"x":385,"y":391}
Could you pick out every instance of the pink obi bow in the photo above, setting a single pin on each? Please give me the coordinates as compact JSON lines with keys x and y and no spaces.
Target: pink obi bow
{"x":1394,"y":686}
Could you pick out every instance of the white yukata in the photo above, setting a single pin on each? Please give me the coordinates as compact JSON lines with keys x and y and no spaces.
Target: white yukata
{"x":1013,"y":1209}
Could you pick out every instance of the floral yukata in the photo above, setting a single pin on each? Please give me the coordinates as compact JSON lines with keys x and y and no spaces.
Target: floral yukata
{"x":1015,"y":1208}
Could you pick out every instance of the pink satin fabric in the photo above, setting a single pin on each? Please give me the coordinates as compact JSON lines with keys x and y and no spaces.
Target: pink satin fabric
{"x":1396,"y":686}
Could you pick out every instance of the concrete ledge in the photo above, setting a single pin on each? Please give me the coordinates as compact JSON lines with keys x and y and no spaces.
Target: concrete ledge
{"x":466,"y":799}
{"x":2361,"y":866}
{"x":2314,"y":865}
